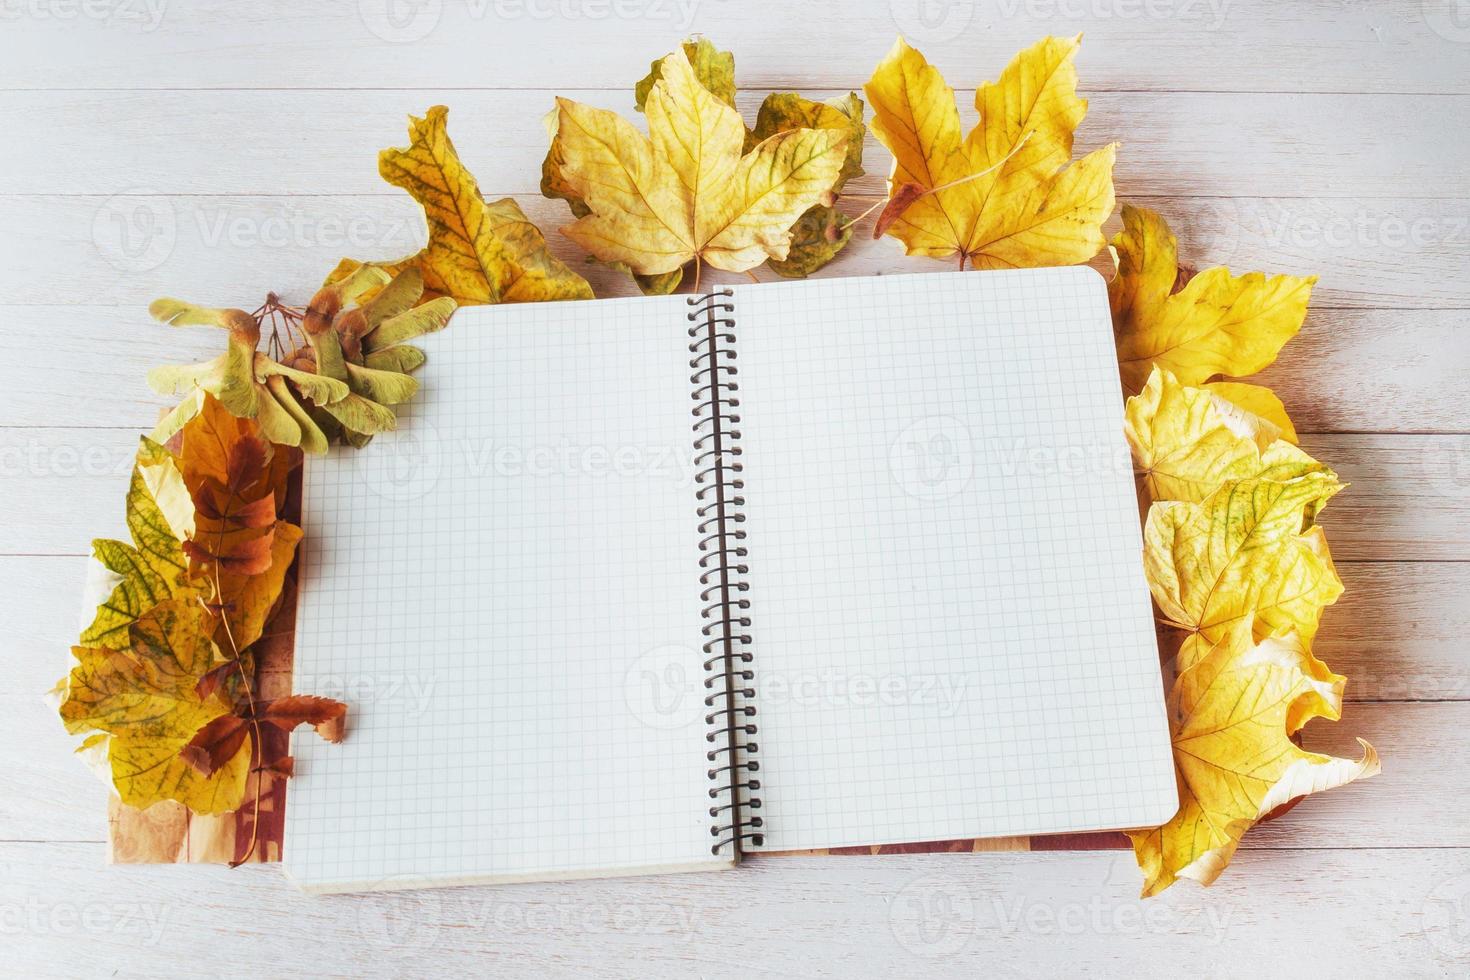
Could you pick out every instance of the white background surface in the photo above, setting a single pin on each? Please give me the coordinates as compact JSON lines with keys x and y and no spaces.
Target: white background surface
{"x":218,"y":150}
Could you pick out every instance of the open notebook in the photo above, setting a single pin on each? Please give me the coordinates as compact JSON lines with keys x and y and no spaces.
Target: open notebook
{"x":646,"y":585}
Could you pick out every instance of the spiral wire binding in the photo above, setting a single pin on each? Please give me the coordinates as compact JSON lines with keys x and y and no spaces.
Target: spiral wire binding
{"x":729,"y":678}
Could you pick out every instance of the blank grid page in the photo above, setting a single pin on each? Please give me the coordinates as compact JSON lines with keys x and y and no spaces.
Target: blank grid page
{"x":951,"y":630}
{"x":492,"y":588}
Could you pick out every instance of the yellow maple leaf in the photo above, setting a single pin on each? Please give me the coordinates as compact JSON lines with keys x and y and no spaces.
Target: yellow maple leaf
{"x":1216,"y":324}
{"x":1003,"y":196}
{"x":1187,"y":441}
{"x":1231,"y":716}
{"x":685,"y":192}
{"x":477,"y":252}
{"x":1248,"y":549}
{"x":142,"y":699}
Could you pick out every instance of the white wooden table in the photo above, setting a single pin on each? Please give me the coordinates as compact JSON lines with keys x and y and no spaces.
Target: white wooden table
{"x":217,"y":150}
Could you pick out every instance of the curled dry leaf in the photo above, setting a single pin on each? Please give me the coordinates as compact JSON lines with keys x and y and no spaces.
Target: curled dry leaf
{"x":1233,"y":713}
{"x":1002,"y":196}
{"x":327,"y":716}
{"x":214,"y":745}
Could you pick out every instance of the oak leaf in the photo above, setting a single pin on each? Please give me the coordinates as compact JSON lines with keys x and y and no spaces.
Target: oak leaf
{"x":1248,"y":550}
{"x":1215,"y":324}
{"x":477,"y":252}
{"x":1002,"y":196}
{"x":1188,"y":441}
{"x":685,"y":192}
{"x":1232,"y":715}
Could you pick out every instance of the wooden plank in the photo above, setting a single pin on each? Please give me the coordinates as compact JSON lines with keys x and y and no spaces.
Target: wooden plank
{"x":65,"y":250}
{"x":93,"y":360}
{"x":1391,"y":912}
{"x":1409,"y":497}
{"x":242,"y":144}
{"x":1376,"y":371}
{"x":1399,"y":630}
{"x":1148,"y":45}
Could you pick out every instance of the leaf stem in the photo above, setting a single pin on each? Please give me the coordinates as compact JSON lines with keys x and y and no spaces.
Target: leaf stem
{"x":245,"y":679}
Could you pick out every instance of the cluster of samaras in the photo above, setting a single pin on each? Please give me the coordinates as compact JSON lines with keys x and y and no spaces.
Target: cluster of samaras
{"x":332,"y":370}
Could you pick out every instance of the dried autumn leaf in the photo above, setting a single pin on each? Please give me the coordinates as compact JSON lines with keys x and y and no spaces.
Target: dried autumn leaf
{"x":1217,"y":324}
{"x":822,"y":231}
{"x":1187,"y":441}
{"x":477,"y":252}
{"x":818,"y":235}
{"x":245,"y":381}
{"x":214,"y":745}
{"x":238,"y":482}
{"x":143,"y":699}
{"x":1002,"y":196}
{"x":714,"y":68}
{"x":249,"y":600}
{"x":685,"y":191}
{"x":1258,"y":402}
{"x":1248,"y":549}
{"x":1232,"y":715}
{"x":363,"y":347}
{"x":152,"y":569}
{"x":324,"y":714}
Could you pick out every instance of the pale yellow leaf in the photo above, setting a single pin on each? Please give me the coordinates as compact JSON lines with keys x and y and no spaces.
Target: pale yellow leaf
{"x":1187,"y":441}
{"x":1247,"y":549}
